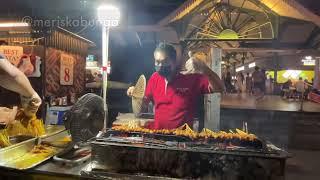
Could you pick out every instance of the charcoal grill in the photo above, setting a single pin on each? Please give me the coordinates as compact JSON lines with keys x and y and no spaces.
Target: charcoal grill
{"x":179,"y":157}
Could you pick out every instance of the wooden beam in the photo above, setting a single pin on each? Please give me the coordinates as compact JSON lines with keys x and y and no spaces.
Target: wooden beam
{"x":258,"y":50}
{"x":274,"y":45}
{"x":213,"y":39}
{"x":143,"y":28}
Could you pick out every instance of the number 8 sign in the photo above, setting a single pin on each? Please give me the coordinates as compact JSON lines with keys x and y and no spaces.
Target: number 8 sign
{"x":66,"y":69}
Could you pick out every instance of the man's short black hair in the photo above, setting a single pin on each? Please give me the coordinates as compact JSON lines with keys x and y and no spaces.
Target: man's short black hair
{"x":168,"y":49}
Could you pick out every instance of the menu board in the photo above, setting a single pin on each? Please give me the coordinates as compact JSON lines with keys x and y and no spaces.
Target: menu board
{"x":12,"y":53}
{"x":66,"y":69}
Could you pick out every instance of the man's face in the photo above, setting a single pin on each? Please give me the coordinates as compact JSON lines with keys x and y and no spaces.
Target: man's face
{"x":164,"y":65}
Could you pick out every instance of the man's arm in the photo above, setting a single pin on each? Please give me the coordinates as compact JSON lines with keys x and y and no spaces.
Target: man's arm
{"x":13,"y":79}
{"x":215,"y":82}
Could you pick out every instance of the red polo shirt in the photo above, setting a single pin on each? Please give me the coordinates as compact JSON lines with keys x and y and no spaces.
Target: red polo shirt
{"x":175,"y":101}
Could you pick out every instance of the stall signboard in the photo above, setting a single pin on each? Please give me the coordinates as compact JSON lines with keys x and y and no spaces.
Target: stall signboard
{"x":12,"y":53}
{"x":66,"y":69}
{"x":308,"y":61}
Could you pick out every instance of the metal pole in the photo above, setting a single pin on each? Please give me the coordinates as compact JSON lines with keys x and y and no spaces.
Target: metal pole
{"x":301,"y":102}
{"x":105,"y":49}
{"x":276,"y":68}
{"x":316,"y":79}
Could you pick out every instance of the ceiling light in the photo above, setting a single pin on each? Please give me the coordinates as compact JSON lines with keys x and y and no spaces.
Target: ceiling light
{"x":251,"y":65}
{"x":241,"y":68}
{"x":19,"y":24}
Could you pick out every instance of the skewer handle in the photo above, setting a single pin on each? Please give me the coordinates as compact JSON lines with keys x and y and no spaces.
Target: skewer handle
{"x":246,"y":126}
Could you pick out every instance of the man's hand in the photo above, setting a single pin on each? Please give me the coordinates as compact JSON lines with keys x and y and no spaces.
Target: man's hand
{"x":130,"y":91}
{"x":194,"y":65}
{"x":31,"y":104}
{"x":7,"y":115}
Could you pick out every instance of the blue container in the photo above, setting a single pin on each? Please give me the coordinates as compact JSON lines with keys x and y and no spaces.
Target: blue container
{"x":55,"y":114}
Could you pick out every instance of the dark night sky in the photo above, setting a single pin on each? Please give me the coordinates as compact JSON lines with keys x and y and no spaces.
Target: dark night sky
{"x":127,"y":62}
{"x":312,"y":5}
{"x":134,"y":12}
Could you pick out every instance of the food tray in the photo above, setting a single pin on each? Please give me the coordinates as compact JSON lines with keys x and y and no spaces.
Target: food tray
{"x":17,"y":140}
{"x":9,"y":157}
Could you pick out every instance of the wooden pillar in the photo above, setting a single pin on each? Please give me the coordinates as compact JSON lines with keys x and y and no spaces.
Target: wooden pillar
{"x":212,"y":101}
{"x":316,"y":79}
{"x":233,"y":72}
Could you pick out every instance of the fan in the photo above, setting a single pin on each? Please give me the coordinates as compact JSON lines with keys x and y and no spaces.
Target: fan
{"x":85,"y":119}
{"x":138,"y":95}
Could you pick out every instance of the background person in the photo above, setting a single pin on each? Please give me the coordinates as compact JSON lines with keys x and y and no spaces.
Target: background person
{"x":248,"y":83}
{"x":300,"y":88}
{"x":258,"y":82}
{"x":286,"y":88}
{"x":239,"y":83}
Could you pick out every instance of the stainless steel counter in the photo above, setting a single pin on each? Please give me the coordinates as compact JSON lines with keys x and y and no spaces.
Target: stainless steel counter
{"x":56,"y":169}
{"x":49,"y":170}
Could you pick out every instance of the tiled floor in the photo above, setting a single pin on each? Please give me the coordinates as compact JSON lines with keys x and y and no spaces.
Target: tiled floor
{"x":305,"y":165}
{"x":269,"y":102}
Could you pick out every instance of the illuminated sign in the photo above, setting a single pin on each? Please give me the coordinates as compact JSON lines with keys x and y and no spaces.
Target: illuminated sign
{"x":308,"y":61}
{"x":291,"y":74}
{"x":241,"y":68}
{"x":251,"y":65}
{"x":91,"y":64}
{"x":284,"y":75}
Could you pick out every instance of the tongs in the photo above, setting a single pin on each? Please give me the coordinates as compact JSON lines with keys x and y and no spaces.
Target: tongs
{"x":39,"y":141}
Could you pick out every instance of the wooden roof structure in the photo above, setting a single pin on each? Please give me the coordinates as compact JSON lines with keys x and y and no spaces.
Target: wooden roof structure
{"x":55,"y":37}
{"x":246,"y":29}
{"x":286,"y":8}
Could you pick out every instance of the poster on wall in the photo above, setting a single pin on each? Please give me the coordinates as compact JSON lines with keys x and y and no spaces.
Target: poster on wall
{"x":28,"y":64}
{"x":12,"y":53}
{"x":66,"y":69}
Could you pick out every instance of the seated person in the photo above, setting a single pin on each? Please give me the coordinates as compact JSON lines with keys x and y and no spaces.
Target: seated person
{"x":286,"y":88}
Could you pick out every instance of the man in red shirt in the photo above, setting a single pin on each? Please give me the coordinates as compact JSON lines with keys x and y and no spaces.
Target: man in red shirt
{"x":174,"y":94}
